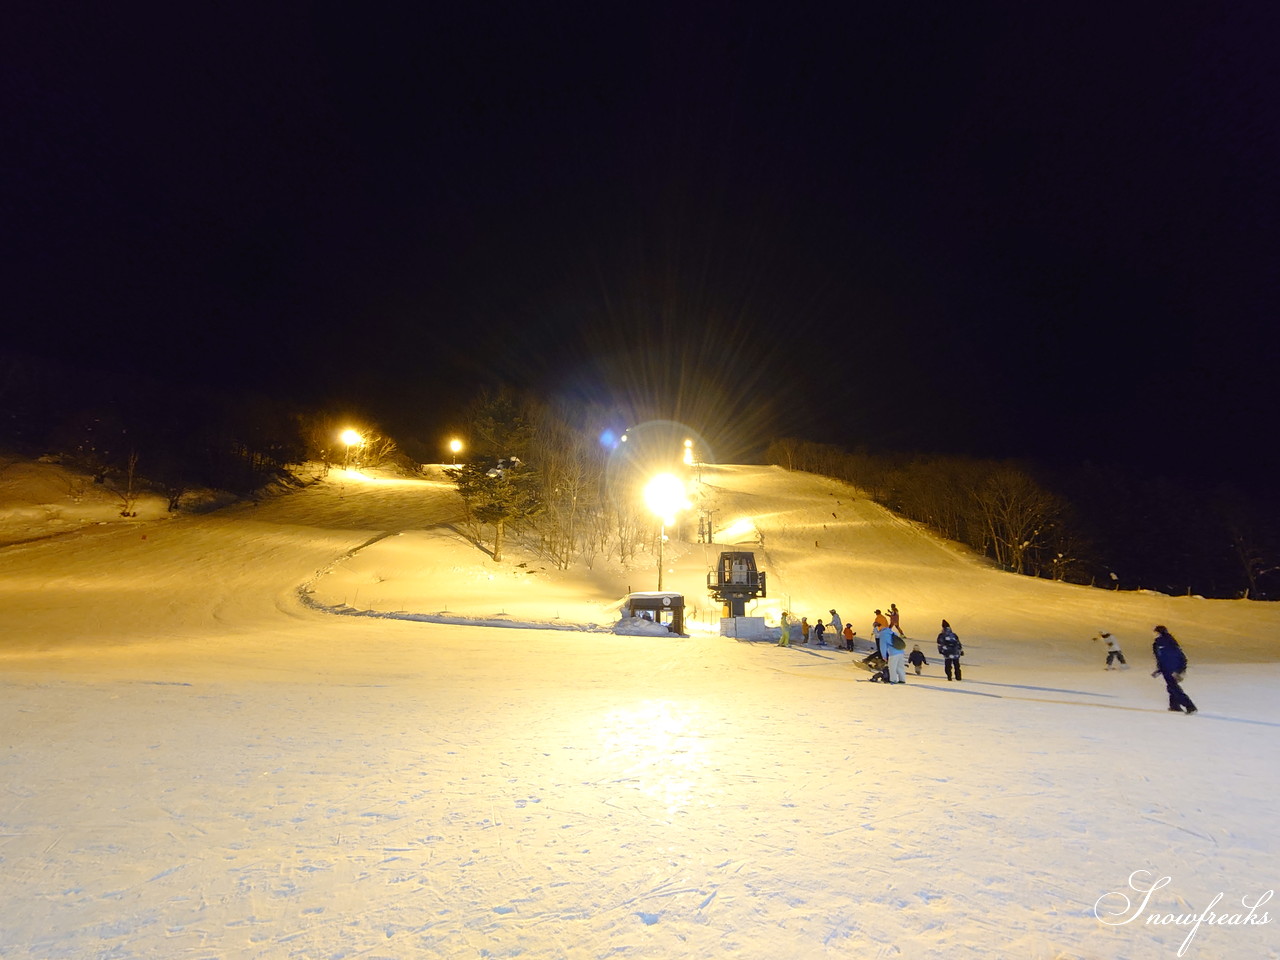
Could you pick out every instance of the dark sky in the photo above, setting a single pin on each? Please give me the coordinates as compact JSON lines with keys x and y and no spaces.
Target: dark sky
{"x":1009,"y":229}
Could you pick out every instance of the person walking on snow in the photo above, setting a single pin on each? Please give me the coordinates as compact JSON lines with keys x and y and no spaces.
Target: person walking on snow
{"x":916,"y":658}
{"x":952,"y":650}
{"x":1171,"y":663}
{"x":849,"y":634}
{"x":785,"y":639}
{"x":804,"y":629}
{"x":1113,"y":650}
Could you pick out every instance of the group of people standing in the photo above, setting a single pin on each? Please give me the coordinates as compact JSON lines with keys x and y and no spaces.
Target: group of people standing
{"x":832,"y":633}
{"x":891,"y":647}
{"x":890,"y":642}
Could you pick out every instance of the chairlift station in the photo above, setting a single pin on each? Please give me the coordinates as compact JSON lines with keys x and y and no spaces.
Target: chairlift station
{"x":734,"y":581}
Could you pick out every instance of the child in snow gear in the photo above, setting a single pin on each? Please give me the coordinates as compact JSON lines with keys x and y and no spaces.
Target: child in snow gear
{"x":819,"y":631}
{"x":916,"y":658}
{"x":804,"y":628}
{"x":849,"y":634}
{"x":1113,"y":650}
{"x":1171,"y":663}
{"x":951,"y":649}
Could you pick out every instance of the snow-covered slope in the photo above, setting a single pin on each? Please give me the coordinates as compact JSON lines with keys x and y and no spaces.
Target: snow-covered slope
{"x":823,"y":546}
{"x":199,"y":760}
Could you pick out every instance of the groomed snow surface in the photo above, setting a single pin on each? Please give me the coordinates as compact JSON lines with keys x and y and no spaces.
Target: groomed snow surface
{"x":292,"y":729}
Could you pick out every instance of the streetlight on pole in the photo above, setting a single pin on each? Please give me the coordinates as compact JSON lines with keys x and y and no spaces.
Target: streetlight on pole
{"x":455,"y":446}
{"x":351,"y":439}
{"x":664,"y":495}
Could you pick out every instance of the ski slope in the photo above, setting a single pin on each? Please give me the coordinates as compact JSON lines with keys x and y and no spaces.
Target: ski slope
{"x":307,"y":728}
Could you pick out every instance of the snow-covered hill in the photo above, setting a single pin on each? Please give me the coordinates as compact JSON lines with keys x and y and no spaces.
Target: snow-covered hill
{"x":823,"y":546}
{"x":200,"y":760}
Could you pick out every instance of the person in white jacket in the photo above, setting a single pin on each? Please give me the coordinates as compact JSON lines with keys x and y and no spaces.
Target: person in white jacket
{"x":1113,"y":650}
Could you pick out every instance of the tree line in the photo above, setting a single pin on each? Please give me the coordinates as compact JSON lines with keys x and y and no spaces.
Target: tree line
{"x":1092,"y":525}
{"x":135,"y":434}
{"x":566,"y":497}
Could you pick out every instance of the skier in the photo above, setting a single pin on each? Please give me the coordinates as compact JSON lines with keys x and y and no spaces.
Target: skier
{"x":1171,"y":663}
{"x":894,"y":617}
{"x":916,"y":657}
{"x":951,"y":648}
{"x":819,"y":631}
{"x":1113,"y":650}
{"x":835,"y":625}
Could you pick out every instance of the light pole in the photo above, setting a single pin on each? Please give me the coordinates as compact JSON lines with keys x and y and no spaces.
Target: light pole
{"x":351,"y":439}
{"x":664,"y":495}
{"x":455,"y":446}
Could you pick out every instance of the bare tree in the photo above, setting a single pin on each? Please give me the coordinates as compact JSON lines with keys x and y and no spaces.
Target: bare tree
{"x":129,"y":495}
{"x":783,"y":452}
{"x":1016,"y":514}
{"x":1255,"y":559}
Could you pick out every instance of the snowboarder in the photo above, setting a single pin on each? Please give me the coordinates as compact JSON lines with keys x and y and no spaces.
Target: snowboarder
{"x":916,"y":657}
{"x":1171,"y":663}
{"x":1113,"y":650}
{"x":876,"y":664}
{"x":952,"y":650}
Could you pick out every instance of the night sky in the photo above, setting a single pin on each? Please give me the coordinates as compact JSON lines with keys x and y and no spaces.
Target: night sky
{"x":1003,"y":229}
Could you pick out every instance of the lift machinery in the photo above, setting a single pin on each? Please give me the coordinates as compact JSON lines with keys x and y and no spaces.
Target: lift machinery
{"x":734,"y":581}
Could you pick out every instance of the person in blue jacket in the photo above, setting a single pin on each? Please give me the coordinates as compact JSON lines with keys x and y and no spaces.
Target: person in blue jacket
{"x":1171,"y":663}
{"x":895,"y":656}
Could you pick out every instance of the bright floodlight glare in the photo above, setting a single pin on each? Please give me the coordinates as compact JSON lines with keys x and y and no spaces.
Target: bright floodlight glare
{"x":664,"y":495}
{"x":688,"y":452}
{"x":351,"y":438}
{"x":455,"y":446}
